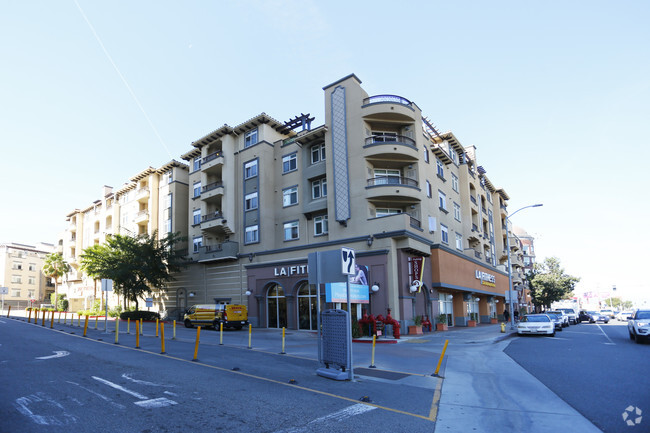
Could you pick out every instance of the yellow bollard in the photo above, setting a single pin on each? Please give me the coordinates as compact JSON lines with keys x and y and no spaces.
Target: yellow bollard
{"x":137,"y":334}
{"x":96,"y":320}
{"x":8,"y":311}
{"x":85,"y":325}
{"x":79,"y":320}
{"x":162,"y":337}
{"x":141,"y":327}
{"x":283,"y":352}
{"x":43,"y":320}
{"x":157,"y":325}
{"x":250,"y":334}
{"x":117,"y":329}
{"x":128,"y":325}
{"x":503,"y":328}
{"x":196,"y":345}
{"x":52,"y":321}
{"x":221,"y":334}
{"x":59,"y":322}
{"x":174,"y":334}
{"x":372,"y":358}
{"x":442,"y":355}
{"x":29,"y":316}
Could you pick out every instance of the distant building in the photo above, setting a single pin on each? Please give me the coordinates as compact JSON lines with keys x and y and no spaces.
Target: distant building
{"x":21,"y":271}
{"x":526,"y":260}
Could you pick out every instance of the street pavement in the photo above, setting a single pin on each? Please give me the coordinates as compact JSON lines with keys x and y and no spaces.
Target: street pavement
{"x":479,"y":388}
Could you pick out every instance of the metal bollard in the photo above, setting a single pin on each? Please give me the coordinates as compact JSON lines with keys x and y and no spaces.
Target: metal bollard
{"x":43,"y":320}
{"x":372,"y":358}
{"x":29,"y":316}
{"x":283,"y":352}
{"x":174,"y":333}
{"x":8,"y":311}
{"x":52,"y":321}
{"x":221,"y":334}
{"x":196,"y":345}
{"x":137,"y":334}
{"x":442,"y":355}
{"x":85,"y":325}
{"x":128,"y":325}
{"x":157,"y":325}
{"x":96,"y":320}
{"x":250,"y":334}
{"x":162,"y":337}
{"x":117,"y":329}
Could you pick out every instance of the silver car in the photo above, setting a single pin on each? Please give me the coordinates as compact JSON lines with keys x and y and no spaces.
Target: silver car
{"x":639,"y":326}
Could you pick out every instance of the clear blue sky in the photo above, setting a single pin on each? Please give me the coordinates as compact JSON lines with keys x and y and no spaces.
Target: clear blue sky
{"x":555,"y":95}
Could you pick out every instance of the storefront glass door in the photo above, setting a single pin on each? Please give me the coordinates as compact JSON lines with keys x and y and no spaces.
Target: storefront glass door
{"x":447,"y":308}
{"x":276,"y":307}
{"x":307,"y":307}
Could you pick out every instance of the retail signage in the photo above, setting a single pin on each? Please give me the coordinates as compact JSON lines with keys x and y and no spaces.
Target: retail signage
{"x":486,"y":279}
{"x":336,"y":292}
{"x":285,"y":271}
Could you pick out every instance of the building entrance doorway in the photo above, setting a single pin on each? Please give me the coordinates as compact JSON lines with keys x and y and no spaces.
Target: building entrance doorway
{"x":276,"y":307}
{"x":307,"y":307}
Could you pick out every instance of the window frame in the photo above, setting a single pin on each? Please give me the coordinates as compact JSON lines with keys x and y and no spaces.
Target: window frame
{"x":292,"y":228}
{"x":255,"y":230}
{"x":196,"y":186}
{"x":320,"y":185}
{"x":459,"y":242}
{"x":196,"y":213}
{"x":444,"y":234}
{"x":317,"y":150}
{"x":442,"y":201}
{"x":251,"y":138}
{"x":196,"y":246}
{"x":250,"y":169}
{"x":292,"y":160}
{"x":253,"y":200}
{"x":290,"y":192}
{"x":457,"y":212}
{"x":323,"y":221}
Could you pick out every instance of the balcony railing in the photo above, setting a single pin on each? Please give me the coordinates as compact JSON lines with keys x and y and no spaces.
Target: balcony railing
{"x":212,"y":216}
{"x":225,"y":250}
{"x":472,"y":199}
{"x":211,"y":186}
{"x":392,"y":180}
{"x":381,"y":139}
{"x":387,"y":98}
{"x":212,"y":156}
{"x":415,"y":222}
{"x":477,"y":254}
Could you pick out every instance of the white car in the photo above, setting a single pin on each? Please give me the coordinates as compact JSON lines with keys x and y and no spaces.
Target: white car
{"x":623,"y":316}
{"x":565,"y":318}
{"x":571,"y":314}
{"x":535,"y":324}
{"x":607,"y":312}
{"x":639,"y":326}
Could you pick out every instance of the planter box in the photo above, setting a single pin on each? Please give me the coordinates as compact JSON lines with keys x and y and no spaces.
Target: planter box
{"x":415,"y":329}
{"x":471,"y":323}
{"x":494,"y":321}
{"x":442,"y":327}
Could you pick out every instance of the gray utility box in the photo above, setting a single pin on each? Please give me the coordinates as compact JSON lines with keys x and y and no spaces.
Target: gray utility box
{"x":335,"y":343}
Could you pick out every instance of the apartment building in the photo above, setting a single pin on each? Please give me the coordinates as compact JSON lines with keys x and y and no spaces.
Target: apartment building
{"x":21,"y":271}
{"x":378,"y":177}
{"x":527,"y":260}
{"x":152,"y":201}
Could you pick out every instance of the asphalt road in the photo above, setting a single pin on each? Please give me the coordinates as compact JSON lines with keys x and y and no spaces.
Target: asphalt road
{"x":595,"y":368}
{"x":56,"y":380}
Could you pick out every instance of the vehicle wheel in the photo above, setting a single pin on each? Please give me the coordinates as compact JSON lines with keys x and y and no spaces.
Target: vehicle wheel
{"x":215,"y":325}
{"x":637,"y":339}
{"x":560,"y":329}
{"x":188,"y":324}
{"x":592,"y":321}
{"x":606,"y":321}
{"x":631,"y":335}
{"x":238,"y":327}
{"x":553,"y":334}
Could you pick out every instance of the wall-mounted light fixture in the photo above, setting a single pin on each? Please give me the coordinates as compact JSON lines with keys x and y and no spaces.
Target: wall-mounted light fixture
{"x":375,"y":287}
{"x":248,"y":292}
{"x":250,"y":257}
{"x":450,"y":297}
{"x":191,"y":294}
{"x":478,"y":299}
{"x":370,"y":240}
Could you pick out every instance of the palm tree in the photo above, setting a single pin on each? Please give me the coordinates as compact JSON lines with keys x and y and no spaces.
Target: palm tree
{"x":55,"y":267}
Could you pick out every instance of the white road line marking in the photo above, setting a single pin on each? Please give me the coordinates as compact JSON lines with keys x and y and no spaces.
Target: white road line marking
{"x":121,"y":388}
{"x":338,"y":416}
{"x":606,"y":336}
{"x":41,"y":399}
{"x":103,"y":397}
{"x":156,"y":402}
{"x":141,"y":382}
{"x":57,"y":354}
{"x":170,"y":393}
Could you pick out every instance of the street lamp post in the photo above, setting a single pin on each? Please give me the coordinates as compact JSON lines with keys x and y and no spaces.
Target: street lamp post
{"x":512,"y":311}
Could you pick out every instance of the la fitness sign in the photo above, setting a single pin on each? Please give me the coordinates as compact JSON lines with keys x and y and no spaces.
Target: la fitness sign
{"x":486,"y":279}
{"x":287,"y":271}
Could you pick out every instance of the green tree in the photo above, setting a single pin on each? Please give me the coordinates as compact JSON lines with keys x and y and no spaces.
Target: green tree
{"x":549,"y":283}
{"x":55,"y":267}
{"x":134,"y":263}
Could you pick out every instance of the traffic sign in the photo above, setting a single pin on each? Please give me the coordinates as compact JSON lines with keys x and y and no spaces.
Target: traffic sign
{"x":348,"y":262}
{"x":4,"y":290}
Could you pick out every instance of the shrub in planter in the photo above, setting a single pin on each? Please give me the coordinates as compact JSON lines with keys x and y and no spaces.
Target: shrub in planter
{"x":137,"y":315}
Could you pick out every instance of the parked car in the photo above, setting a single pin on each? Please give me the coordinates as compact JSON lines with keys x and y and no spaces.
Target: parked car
{"x":624,"y":316}
{"x":230,"y":315}
{"x":597,"y":316}
{"x":585,"y":316}
{"x":639,"y":325}
{"x":557,"y":319}
{"x":536,"y":324}
{"x":564,"y":317}
{"x":571,"y":314}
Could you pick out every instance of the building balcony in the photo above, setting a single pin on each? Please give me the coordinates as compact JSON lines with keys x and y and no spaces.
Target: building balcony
{"x":223,"y":251}
{"x":396,"y":147}
{"x":142,"y":194}
{"x":212,"y":163}
{"x":212,"y":191}
{"x":141,"y":217}
{"x":389,"y":108}
{"x":215,"y":222}
{"x":390,"y":187}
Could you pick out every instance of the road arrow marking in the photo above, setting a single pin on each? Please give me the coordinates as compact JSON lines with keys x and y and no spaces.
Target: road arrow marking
{"x":57,"y":354}
{"x":145,"y":401}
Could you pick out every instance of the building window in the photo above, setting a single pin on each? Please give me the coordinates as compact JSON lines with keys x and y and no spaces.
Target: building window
{"x":15,"y":293}
{"x":169,"y":201}
{"x":250,"y":138}
{"x":170,"y":176}
{"x":197,"y":189}
{"x":289,"y":163}
{"x":440,"y":169}
{"x":32,"y":267}
{"x":442,"y":200}
{"x":168,"y":225}
{"x":16,"y":279}
{"x":456,"y":211}
{"x":426,"y":154}
{"x":454,"y":156}
{"x":196,"y":216}
{"x":250,"y":201}
{"x":454,"y":182}
{"x":31,"y":280}
{"x":429,"y":192}
{"x":291,"y":231}
{"x":444,"y":234}
{"x":30,"y":294}
{"x":321,"y":225}
{"x":319,"y":188}
{"x":387,"y":177}
{"x":459,"y":242}
{"x":252,"y":234}
{"x":17,"y":266}
{"x":290,"y":196}
{"x":197,"y":242}
{"x":317,"y":153}
{"x":382,"y":212}
{"x":250,"y":169}
{"x":196,"y":163}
